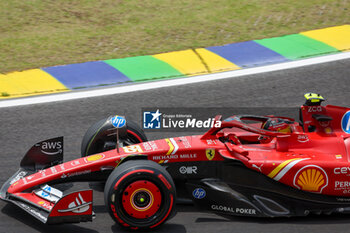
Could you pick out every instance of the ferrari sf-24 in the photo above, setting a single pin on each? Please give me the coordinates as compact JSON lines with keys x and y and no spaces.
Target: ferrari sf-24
{"x":259,"y":166}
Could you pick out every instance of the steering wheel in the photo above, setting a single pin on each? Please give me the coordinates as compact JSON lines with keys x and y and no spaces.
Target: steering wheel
{"x":232,"y":137}
{"x":228,"y":137}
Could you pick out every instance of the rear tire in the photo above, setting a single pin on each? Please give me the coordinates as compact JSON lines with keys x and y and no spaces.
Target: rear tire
{"x":97,"y":138}
{"x":140,"y":195}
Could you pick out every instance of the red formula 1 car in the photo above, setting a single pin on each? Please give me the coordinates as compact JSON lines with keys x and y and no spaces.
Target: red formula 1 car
{"x":270,"y":168}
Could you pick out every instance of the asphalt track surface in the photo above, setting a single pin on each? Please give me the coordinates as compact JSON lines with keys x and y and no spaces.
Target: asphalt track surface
{"x":23,"y":126}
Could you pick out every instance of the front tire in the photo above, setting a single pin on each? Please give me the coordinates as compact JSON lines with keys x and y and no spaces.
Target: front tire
{"x":140,"y":195}
{"x":99,"y":137}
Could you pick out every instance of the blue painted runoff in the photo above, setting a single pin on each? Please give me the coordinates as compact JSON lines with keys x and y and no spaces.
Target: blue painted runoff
{"x":248,"y":54}
{"x":86,"y":74}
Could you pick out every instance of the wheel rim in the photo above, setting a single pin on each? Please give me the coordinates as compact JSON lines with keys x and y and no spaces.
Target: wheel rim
{"x":141,"y":199}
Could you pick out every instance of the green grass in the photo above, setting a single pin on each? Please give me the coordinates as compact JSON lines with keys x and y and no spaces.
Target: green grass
{"x":40,"y":33}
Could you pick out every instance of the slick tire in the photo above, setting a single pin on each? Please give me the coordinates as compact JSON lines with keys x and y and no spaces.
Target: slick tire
{"x":140,"y":195}
{"x":98,"y":136}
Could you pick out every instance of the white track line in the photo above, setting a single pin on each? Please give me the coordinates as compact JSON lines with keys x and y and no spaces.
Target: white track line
{"x":168,"y":83}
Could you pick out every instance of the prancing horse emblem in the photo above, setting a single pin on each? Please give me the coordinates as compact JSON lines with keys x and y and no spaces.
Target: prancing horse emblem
{"x":210,"y":153}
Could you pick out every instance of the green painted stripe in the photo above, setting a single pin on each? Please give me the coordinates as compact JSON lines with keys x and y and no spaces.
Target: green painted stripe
{"x":144,"y":68}
{"x":297,"y":46}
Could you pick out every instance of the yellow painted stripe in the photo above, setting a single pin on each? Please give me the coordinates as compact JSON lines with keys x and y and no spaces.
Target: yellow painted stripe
{"x":186,"y":61}
{"x":215,"y":62}
{"x":5,"y":86}
{"x":337,"y":37}
{"x":9,"y":86}
{"x":171,"y":146}
{"x":29,"y":82}
{"x":279,"y":168}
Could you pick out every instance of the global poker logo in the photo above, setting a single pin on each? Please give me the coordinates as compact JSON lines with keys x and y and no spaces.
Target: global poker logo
{"x":151,"y":120}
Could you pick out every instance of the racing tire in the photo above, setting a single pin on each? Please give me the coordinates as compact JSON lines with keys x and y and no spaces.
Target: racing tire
{"x":96,"y":137}
{"x":140,"y":195}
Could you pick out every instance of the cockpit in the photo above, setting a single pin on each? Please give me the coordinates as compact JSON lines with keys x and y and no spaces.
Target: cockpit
{"x":325,"y":121}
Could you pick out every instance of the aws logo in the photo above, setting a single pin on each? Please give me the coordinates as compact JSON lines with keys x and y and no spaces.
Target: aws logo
{"x":51,"y":147}
{"x":311,"y":178}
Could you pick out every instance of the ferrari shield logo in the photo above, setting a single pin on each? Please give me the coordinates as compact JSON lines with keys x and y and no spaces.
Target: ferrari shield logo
{"x":210,"y":153}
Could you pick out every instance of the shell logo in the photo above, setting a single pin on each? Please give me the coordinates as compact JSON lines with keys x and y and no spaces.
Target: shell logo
{"x":311,"y":178}
{"x":93,"y":158}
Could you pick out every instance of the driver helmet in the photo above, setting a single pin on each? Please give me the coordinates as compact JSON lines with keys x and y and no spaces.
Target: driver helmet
{"x":277,"y":124}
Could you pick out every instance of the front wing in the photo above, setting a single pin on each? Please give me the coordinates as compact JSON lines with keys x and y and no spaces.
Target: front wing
{"x":50,"y":205}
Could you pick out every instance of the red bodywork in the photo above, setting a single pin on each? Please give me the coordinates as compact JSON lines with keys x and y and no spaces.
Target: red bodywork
{"x":317,"y":162}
